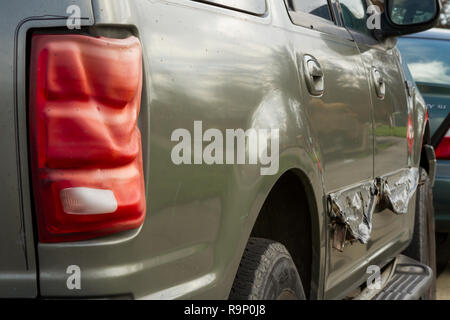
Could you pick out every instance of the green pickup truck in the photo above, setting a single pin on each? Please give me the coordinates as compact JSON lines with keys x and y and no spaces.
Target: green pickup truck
{"x":213,"y":149}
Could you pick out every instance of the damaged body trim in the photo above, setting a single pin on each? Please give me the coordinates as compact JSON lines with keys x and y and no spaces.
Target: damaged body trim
{"x":351,"y":209}
{"x":398,"y":188}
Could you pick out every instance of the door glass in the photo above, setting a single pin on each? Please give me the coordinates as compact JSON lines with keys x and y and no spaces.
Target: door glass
{"x":318,"y":8}
{"x":354,"y":13}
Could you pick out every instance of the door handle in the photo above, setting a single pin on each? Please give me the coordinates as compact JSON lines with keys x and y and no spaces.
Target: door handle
{"x":380,"y":85}
{"x":314,"y":76}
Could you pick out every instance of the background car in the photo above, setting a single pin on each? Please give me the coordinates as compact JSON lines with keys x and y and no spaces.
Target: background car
{"x":428,"y":56}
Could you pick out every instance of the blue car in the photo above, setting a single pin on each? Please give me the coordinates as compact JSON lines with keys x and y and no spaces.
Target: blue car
{"x":427,"y":55}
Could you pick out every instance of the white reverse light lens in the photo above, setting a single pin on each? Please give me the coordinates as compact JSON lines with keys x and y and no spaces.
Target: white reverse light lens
{"x":88,"y":201}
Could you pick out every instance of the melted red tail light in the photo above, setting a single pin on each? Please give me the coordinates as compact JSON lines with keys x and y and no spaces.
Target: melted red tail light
{"x":86,"y":153}
{"x":443,"y":149}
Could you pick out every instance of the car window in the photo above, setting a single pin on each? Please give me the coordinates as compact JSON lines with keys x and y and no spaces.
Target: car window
{"x":428,"y":59}
{"x":354,"y":13}
{"x":318,"y":8}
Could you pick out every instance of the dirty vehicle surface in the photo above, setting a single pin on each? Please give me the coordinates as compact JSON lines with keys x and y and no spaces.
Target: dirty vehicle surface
{"x":99,"y":180}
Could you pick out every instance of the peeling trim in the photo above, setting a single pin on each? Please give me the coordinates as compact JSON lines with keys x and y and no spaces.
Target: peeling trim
{"x":351,"y":209}
{"x":399,"y":188}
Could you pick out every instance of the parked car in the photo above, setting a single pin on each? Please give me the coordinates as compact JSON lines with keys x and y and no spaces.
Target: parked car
{"x":428,"y":57}
{"x":213,"y":149}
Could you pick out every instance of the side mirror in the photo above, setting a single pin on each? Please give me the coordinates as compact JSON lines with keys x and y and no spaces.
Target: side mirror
{"x":412,"y":12}
{"x":409,"y":16}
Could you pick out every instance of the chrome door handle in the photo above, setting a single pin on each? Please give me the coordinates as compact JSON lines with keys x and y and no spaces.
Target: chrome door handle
{"x":314,"y":76}
{"x":380,"y":85}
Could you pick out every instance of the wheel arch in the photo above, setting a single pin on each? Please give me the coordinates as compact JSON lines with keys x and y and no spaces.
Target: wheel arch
{"x":289,"y":215}
{"x":306,"y":180}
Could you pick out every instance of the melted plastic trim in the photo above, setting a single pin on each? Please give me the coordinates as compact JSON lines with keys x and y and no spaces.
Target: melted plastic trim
{"x":351,"y":209}
{"x":399,"y":188}
{"x":354,"y":208}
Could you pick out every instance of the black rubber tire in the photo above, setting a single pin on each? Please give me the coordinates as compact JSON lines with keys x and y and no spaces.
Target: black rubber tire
{"x":266,"y":272}
{"x":423,"y":244}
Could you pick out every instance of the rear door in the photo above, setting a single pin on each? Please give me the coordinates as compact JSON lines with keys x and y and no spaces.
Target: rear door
{"x":338,"y":103}
{"x":388,"y":90}
{"x":340,"y":116}
{"x":392,"y":152}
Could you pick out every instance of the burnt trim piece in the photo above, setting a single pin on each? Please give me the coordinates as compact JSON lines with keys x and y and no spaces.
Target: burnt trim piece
{"x":351,"y":209}
{"x":398,"y":188}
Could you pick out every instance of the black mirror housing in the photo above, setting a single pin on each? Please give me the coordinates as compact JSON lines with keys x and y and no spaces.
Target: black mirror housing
{"x":391,"y":29}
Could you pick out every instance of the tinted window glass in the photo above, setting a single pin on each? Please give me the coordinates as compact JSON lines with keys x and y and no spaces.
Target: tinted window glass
{"x":354,"y":13}
{"x":428,"y":60}
{"x":318,"y":8}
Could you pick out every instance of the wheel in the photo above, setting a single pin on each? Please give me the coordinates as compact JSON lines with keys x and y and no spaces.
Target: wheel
{"x":267,"y":272}
{"x":423,"y":244}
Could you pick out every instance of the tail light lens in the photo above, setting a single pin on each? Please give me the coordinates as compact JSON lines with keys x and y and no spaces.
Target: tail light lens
{"x":86,"y":153}
{"x":443,"y":149}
